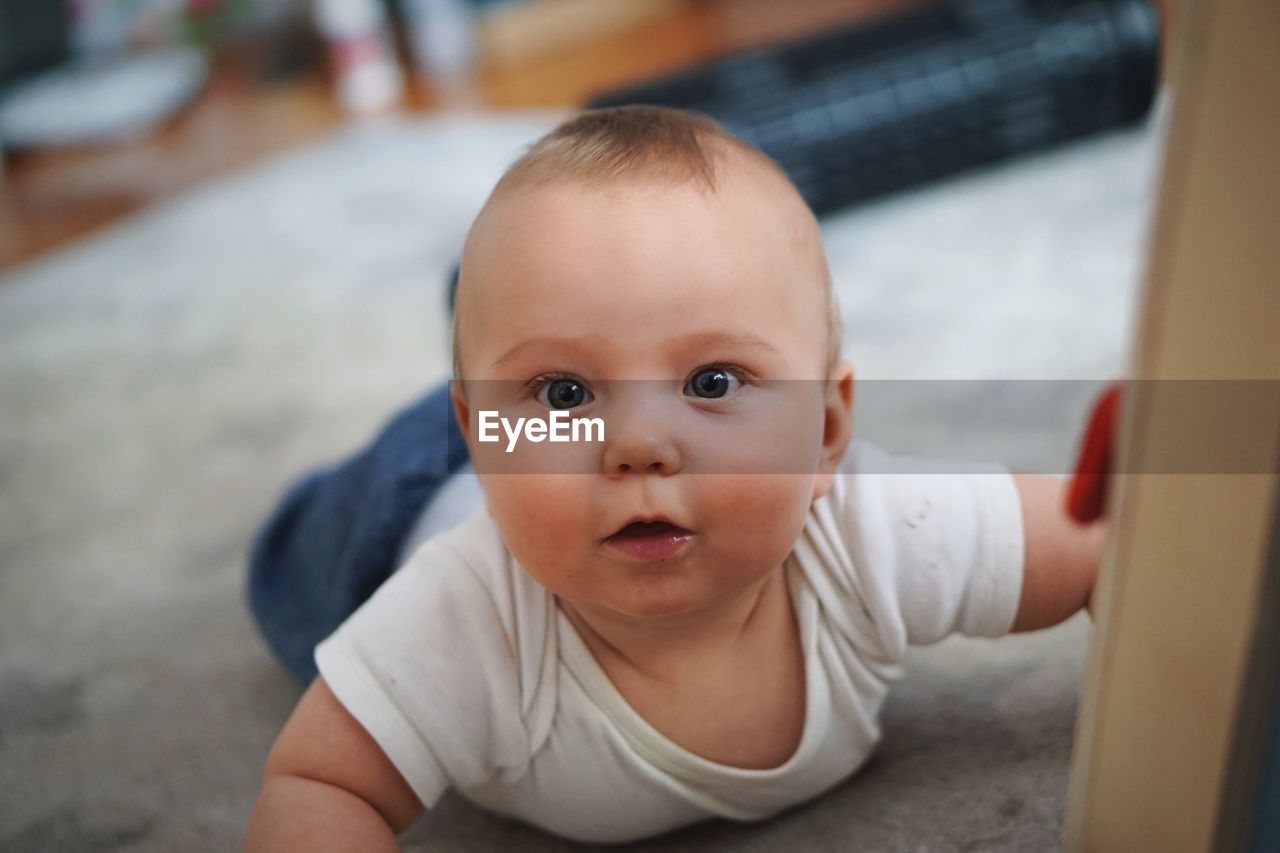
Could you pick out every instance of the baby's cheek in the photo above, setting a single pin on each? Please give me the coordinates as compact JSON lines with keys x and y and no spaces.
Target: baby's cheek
{"x":777,"y":431}
{"x":760,"y":513}
{"x":540,"y":515}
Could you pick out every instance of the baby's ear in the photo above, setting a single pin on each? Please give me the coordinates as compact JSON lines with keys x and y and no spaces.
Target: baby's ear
{"x":837,"y":425}
{"x":461,"y":409}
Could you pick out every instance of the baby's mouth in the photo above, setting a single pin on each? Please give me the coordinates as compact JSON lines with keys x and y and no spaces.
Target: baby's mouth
{"x":650,"y":540}
{"x":638,"y":529}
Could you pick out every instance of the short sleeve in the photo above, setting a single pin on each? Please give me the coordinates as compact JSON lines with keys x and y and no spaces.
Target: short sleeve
{"x":937,"y":552}
{"x":426,"y":667}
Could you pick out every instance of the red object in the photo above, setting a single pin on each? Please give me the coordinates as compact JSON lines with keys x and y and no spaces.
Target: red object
{"x":1087,"y":495}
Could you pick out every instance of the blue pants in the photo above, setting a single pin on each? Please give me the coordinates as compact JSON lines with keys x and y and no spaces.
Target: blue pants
{"x":337,"y":533}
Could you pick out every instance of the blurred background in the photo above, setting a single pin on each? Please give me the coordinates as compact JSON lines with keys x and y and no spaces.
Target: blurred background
{"x":226,"y":235}
{"x":109,"y":105}
{"x":232,"y":81}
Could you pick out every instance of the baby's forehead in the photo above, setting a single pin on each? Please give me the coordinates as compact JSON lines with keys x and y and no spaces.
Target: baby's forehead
{"x":656,"y":251}
{"x":736,"y":239}
{"x":758,"y":206}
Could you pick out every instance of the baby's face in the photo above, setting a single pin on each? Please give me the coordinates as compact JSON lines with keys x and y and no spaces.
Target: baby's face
{"x":694,"y":325}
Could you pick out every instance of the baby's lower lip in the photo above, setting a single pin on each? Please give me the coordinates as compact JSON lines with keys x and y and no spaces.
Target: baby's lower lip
{"x":657,"y":542}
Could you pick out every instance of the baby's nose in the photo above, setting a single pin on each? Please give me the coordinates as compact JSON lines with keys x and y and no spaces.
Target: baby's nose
{"x":640,"y":449}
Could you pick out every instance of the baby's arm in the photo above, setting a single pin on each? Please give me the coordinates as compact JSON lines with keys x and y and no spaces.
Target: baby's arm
{"x":328,"y":786}
{"x":1061,"y":557}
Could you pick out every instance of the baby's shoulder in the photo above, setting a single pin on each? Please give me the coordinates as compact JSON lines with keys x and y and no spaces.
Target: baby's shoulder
{"x":446,"y":662}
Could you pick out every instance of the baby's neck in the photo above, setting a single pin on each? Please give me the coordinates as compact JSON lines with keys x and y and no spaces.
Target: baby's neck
{"x":663,"y":649}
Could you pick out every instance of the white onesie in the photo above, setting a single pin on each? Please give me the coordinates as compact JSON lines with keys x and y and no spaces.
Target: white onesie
{"x":468,"y":675}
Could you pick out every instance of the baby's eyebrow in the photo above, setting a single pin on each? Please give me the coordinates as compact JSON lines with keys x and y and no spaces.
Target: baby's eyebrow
{"x":575,"y":344}
{"x":721,"y":338}
{"x":696,"y":342}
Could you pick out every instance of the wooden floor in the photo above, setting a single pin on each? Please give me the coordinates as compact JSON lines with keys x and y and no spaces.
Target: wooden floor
{"x":50,"y":198}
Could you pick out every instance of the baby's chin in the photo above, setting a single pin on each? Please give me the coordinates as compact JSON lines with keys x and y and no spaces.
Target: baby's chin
{"x":655,"y":593}
{"x":655,"y":611}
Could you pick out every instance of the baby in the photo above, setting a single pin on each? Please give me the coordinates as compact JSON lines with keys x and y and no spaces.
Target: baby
{"x":697,"y":613}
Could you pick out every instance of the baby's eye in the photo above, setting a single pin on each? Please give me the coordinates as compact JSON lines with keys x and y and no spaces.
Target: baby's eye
{"x":712,"y":383}
{"x":562,"y":393}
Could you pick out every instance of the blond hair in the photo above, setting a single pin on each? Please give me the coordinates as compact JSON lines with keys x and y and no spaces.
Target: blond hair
{"x":605,"y":147}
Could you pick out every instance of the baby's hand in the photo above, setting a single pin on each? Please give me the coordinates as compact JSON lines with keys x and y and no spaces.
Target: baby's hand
{"x":328,"y":786}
